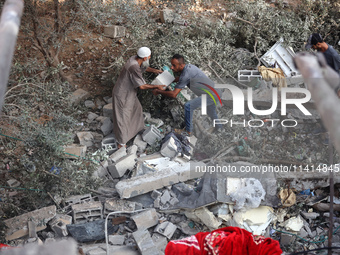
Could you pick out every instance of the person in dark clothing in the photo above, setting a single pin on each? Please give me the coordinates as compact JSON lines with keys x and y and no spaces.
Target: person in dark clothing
{"x":316,"y":42}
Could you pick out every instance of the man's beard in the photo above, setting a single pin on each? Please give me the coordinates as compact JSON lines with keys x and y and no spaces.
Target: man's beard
{"x":145,"y":64}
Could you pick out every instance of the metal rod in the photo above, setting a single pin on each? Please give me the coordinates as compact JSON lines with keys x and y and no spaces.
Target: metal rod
{"x":9,"y":29}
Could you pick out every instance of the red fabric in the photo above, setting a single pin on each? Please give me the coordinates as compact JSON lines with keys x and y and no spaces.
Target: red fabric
{"x":224,"y":241}
{"x":5,"y":246}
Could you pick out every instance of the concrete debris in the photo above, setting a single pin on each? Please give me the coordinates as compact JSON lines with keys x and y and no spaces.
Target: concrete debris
{"x":17,"y":226}
{"x":87,"y":211}
{"x":78,"y":96}
{"x":13,"y":183}
{"x":166,"y":229}
{"x":75,"y":151}
{"x":59,"y":223}
{"x":169,"y":16}
{"x":207,"y":218}
{"x":151,"y":135}
{"x":144,"y":242}
{"x":77,"y":199}
{"x":89,"y":104}
{"x":85,"y":138}
{"x":116,"y":239}
{"x":107,"y":126}
{"x":140,"y":143}
{"x":169,"y":148}
{"x":255,"y":220}
{"x":293,"y":224}
{"x":125,"y":163}
{"x":109,"y":143}
{"x":160,"y":241}
{"x":146,"y":219}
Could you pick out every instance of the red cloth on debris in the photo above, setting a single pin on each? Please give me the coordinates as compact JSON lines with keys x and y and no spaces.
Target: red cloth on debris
{"x":224,"y":241}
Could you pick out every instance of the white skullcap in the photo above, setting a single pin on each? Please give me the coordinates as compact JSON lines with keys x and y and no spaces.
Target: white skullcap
{"x":143,"y":52}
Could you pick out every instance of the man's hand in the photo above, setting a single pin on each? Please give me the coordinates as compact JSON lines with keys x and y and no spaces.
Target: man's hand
{"x":155,"y":92}
{"x":156,"y":71}
{"x":161,"y":87}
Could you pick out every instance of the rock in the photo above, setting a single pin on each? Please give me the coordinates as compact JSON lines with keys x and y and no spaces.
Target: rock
{"x":90,"y":231}
{"x":85,"y":138}
{"x":89,"y":104}
{"x":79,"y":95}
{"x":106,"y":127}
{"x":207,"y":218}
{"x":144,"y":242}
{"x":146,"y":219}
{"x":166,"y":229}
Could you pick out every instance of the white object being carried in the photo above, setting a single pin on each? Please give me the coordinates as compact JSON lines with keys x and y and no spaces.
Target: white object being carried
{"x":164,"y":78}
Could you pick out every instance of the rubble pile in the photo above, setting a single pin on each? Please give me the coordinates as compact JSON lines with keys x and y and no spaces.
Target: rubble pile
{"x":146,"y":200}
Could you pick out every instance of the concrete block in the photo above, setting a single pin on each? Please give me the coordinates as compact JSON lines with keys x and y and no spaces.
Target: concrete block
{"x":75,"y":151}
{"x":160,"y":241}
{"x":85,"y":138}
{"x":97,"y":251}
{"x":107,"y":126}
{"x":117,"y":239}
{"x":13,"y":183}
{"x":286,"y":239}
{"x":91,"y":231}
{"x":108,"y":111}
{"x":207,"y":218}
{"x":140,"y":143}
{"x":78,"y":199}
{"x":118,"y":169}
{"x":78,"y":95}
{"x":87,"y":211}
{"x":58,"y":224}
{"x":114,"y":31}
{"x":169,"y":148}
{"x":116,"y":205}
{"x":165,"y":198}
{"x":156,"y":194}
{"x":248,"y":75}
{"x":146,"y":219}
{"x":166,"y":15}
{"x":151,"y":135}
{"x":144,"y":242}
{"x":17,"y":226}
{"x":166,"y":229}
{"x":109,"y":142}
{"x":145,"y":183}
{"x":118,"y":154}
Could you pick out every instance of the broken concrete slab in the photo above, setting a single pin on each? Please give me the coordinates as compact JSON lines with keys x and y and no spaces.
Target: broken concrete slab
{"x":85,"y":138}
{"x":77,"y":96}
{"x":13,"y":183}
{"x":125,"y":163}
{"x":75,"y":151}
{"x":140,"y":143}
{"x":146,"y":219}
{"x":166,"y":229}
{"x":117,"y":239}
{"x":118,"y":154}
{"x":144,"y":242}
{"x":160,"y":241}
{"x":18,"y":226}
{"x":91,"y":231}
{"x":207,"y":218}
{"x":114,"y":31}
{"x":255,"y":220}
{"x":118,"y":205}
{"x":169,"y":173}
